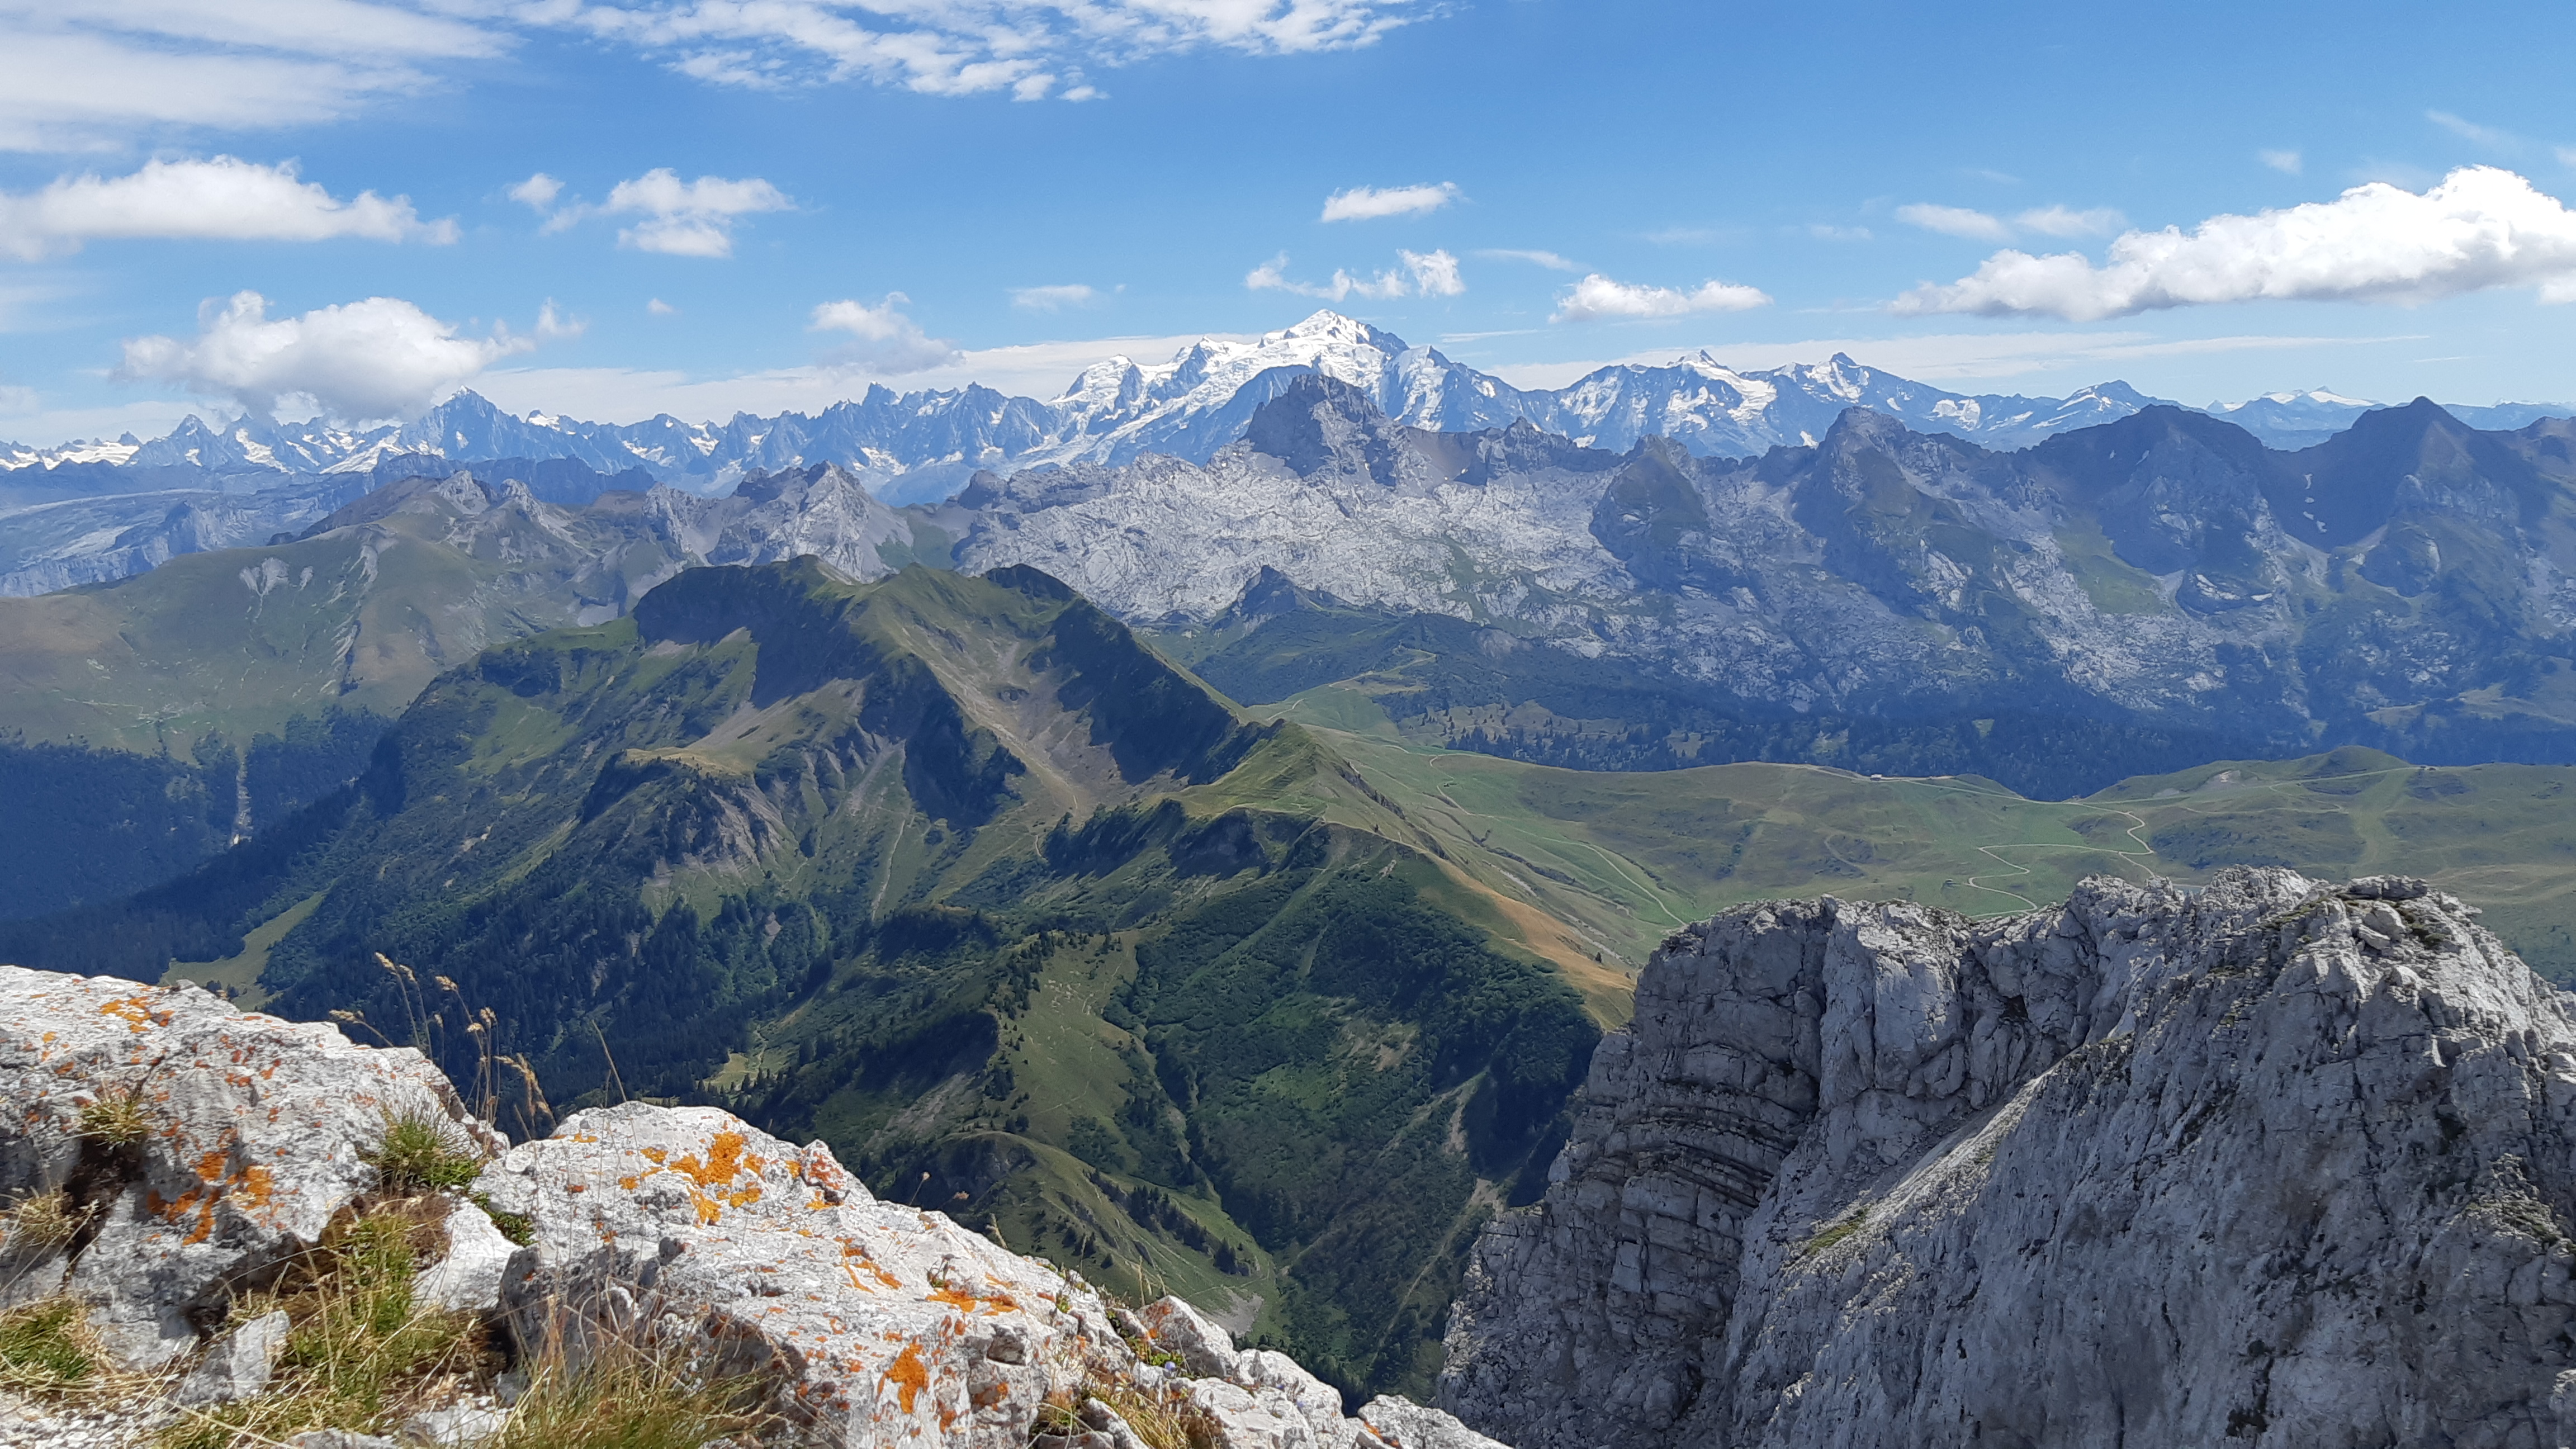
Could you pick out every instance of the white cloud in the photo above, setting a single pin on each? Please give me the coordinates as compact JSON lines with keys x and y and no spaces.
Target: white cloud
{"x":888,"y":342}
{"x":1366,"y":203}
{"x":1549,"y":260}
{"x":1597,"y":296}
{"x":2468,"y":130}
{"x":553,"y":326}
{"x":16,"y":401}
{"x":2064,"y":221}
{"x":224,"y":199}
{"x":655,"y":306}
{"x":1954,"y":221}
{"x":1050,"y":299}
{"x":681,"y":218}
{"x":91,"y":76}
{"x":1427,"y":274}
{"x":248,"y":64}
{"x":2287,"y":162}
{"x":1435,"y":274}
{"x":360,"y":361}
{"x":966,"y":47}
{"x":1826,"y":231}
{"x":538,"y":191}
{"x":2480,"y":228}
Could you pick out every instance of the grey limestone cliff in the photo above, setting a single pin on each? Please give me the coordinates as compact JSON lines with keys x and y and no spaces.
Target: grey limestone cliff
{"x":2274,"y":1163}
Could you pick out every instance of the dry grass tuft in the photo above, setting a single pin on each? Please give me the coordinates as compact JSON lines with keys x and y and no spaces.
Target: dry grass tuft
{"x":629,"y":1396}
{"x":39,"y":1220}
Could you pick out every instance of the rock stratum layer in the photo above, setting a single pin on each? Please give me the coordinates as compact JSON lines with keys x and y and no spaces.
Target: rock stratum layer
{"x":719,"y":1248}
{"x":2275,"y":1163}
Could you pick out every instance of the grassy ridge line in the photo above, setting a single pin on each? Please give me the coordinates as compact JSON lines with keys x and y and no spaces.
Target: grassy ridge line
{"x":1618,"y":856}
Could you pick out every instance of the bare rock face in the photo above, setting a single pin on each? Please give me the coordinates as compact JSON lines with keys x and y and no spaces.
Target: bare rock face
{"x":894,"y":1325}
{"x":2274,"y":1163}
{"x":252,"y":1131}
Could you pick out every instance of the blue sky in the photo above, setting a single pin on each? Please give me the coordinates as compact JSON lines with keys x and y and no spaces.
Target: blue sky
{"x":770,"y":203}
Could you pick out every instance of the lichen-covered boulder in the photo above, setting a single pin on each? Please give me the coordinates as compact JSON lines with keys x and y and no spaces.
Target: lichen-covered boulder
{"x":885,"y":1325}
{"x":253,"y":1132}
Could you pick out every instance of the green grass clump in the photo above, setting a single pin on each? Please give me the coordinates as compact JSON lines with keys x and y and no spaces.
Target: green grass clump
{"x":361,"y":1353}
{"x":44,"y":1348}
{"x":1833,"y":1233}
{"x":115,"y":1120}
{"x":423,"y":1152}
{"x":517,"y":1227}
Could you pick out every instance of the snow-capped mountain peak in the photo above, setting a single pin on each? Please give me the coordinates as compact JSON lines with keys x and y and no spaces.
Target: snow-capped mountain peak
{"x":921,"y":445}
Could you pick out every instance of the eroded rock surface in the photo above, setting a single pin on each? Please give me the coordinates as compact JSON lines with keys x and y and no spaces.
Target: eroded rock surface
{"x":252,"y":1135}
{"x":2274,"y":1163}
{"x":682,"y":1231}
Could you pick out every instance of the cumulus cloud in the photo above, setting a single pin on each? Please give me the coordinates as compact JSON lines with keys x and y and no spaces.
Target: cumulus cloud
{"x":655,"y":306}
{"x":360,"y":361}
{"x":2289,"y":163}
{"x":1597,"y":297}
{"x":1549,"y":260}
{"x":224,"y":199}
{"x":1954,"y":221}
{"x":1051,"y":299}
{"x":2479,"y":228}
{"x":538,"y":192}
{"x":680,"y":218}
{"x":1426,"y":274}
{"x":1367,"y":203}
{"x":885,"y":340}
{"x":1029,"y":48}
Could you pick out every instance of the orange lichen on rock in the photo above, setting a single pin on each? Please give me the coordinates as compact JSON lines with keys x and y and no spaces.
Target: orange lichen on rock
{"x":724,"y":1162}
{"x":909,"y":1375}
{"x":852,"y":1250}
{"x":134,"y":1011}
{"x":967,"y":1300}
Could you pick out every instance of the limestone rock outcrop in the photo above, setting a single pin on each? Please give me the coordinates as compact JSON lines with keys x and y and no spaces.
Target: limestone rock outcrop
{"x":2270,"y":1163}
{"x":678,"y":1231}
{"x":247,"y":1136}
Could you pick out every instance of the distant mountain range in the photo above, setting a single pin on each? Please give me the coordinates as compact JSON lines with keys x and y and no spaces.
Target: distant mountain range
{"x":922,"y":446}
{"x":2402,"y":584}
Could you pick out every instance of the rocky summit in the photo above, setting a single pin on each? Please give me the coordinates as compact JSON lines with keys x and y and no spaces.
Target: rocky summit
{"x":2277,"y":1163}
{"x":722,"y":1253}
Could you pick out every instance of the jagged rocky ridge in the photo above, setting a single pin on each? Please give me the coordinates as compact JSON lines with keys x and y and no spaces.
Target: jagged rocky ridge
{"x":684,"y":1230}
{"x":2403,"y":585}
{"x":2278,"y":1162}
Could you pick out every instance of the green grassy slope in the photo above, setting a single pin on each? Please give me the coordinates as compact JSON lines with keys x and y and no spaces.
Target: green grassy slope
{"x":1623,"y":857}
{"x":237,"y":641}
{"x":957,"y":875}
